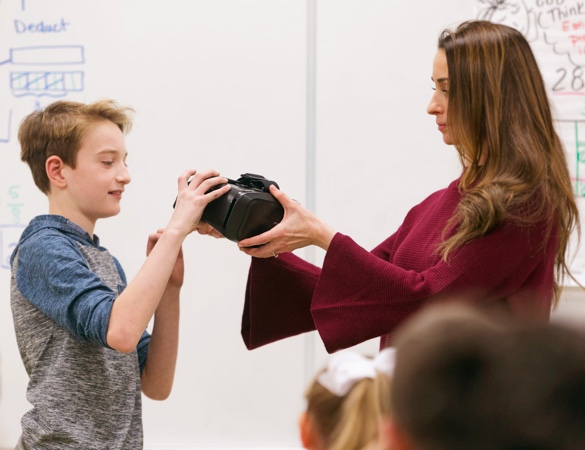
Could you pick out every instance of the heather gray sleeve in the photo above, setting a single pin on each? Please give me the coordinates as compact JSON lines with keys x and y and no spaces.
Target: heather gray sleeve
{"x":55,"y":277}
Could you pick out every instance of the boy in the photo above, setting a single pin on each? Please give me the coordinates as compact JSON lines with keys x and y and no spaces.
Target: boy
{"x":81,"y":330}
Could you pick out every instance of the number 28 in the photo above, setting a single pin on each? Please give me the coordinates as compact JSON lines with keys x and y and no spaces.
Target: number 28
{"x":575,"y":79}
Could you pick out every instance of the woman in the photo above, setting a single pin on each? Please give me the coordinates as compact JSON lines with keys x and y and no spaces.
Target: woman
{"x":496,"y":236}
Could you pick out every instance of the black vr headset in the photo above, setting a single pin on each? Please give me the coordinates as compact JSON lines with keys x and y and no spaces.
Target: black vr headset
{"x":246,"y":210}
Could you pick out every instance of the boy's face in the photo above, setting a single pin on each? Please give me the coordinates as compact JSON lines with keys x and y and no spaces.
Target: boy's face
{"x":96,"y":184}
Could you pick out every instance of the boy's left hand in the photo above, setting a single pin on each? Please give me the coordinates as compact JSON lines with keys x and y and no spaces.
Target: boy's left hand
{"x":178,"y":273}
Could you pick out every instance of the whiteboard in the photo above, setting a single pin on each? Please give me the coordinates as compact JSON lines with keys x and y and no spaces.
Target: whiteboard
{"x":338,"y":121}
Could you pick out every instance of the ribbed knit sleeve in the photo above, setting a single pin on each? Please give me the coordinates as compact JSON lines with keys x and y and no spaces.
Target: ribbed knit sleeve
{"x":359,"y":295}
{"x":278,"y":299}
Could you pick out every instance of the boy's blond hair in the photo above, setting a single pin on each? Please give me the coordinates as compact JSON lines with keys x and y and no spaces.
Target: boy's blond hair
{"x":58,"y":130}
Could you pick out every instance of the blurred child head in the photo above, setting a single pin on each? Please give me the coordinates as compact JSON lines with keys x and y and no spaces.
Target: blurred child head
{"x":346,"y":400}
{"x":465,"y":379}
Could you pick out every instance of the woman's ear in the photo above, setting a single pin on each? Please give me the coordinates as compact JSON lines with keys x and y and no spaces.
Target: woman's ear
{"x":54,"y":168}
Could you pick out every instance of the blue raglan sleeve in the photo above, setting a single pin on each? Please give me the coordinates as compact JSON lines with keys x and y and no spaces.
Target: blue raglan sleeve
{"x":142,"y":349}
{"x":54,"y":276}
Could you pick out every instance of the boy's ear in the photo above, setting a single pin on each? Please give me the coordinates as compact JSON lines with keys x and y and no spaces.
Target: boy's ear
{"x":54,"y":168}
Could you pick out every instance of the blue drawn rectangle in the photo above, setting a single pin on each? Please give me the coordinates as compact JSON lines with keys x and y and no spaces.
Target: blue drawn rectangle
{"x":49,"y":54}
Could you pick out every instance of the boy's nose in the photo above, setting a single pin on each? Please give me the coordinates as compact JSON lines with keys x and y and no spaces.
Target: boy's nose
{"x":124,"y":176}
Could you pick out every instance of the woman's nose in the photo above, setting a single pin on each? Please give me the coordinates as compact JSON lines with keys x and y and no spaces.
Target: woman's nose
{"x":434,"y":107}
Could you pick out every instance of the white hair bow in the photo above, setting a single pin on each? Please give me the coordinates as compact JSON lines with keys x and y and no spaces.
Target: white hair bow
{"x":345,"y":368}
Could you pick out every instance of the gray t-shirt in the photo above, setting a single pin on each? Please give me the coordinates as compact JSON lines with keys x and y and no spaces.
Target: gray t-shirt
{"x":84,"y":394}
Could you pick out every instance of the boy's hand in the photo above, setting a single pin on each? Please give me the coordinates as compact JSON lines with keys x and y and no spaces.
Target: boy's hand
{"x":178,"y":273}
{"x":193,"y":197}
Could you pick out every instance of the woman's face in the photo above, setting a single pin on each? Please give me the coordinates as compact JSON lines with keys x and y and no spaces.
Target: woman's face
{"x":440,"y":99}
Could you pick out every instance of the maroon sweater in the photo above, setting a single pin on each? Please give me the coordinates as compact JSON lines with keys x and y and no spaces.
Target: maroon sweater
{"x":359,"y":295}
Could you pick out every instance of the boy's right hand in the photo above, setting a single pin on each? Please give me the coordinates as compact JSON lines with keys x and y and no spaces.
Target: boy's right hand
{"x":192,"y":198}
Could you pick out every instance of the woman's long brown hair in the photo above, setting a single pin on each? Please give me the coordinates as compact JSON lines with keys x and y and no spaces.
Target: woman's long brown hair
{"x":501,"y":121}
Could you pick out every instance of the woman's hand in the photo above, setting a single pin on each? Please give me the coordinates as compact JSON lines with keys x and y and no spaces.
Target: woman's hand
{"x":193,"y":197}
{"x":299,"y":228}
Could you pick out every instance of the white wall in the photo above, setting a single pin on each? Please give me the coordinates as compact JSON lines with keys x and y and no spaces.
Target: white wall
{"x":229,"y":84}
